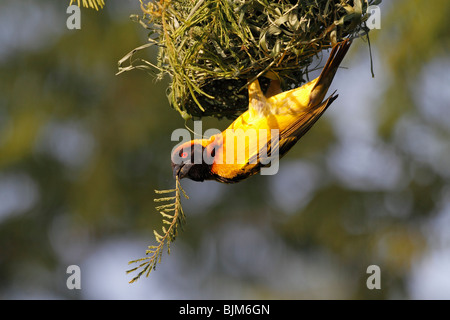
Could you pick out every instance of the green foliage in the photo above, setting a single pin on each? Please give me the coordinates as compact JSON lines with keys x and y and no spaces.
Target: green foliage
{"x":212,"y":49}
{"x":173,"y":218}
{"x":94,"y":4}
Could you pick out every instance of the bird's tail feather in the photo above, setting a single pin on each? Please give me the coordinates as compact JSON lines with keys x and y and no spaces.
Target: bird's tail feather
{"x":329,"y":70}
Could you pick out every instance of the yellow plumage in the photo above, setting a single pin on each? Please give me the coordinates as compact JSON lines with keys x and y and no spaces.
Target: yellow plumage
{"x":240,"y":150}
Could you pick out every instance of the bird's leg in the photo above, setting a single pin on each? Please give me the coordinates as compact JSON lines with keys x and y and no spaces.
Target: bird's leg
{"x":274,"y":88}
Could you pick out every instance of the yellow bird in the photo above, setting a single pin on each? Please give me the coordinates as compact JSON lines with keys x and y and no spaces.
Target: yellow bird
{"x":269,"y":128}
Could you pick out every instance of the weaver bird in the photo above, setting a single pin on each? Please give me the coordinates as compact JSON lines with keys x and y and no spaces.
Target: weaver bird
{"x":269,"y":128}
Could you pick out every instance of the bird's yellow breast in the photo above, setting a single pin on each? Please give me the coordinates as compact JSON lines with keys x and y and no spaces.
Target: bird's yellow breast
{"x":245,"y":137}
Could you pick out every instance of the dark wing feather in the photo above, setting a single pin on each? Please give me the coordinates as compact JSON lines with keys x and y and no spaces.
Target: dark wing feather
{"x":289,"y":137}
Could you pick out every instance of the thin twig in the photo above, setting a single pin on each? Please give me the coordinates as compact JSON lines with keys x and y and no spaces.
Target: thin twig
{"x":173,"y":217}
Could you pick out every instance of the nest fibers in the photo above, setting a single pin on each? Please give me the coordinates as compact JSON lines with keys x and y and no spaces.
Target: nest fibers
{"x":212,"y":49}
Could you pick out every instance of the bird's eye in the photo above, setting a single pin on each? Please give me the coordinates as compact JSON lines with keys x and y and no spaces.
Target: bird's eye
{"x":184,"y":155}
{"x":213,"y":152}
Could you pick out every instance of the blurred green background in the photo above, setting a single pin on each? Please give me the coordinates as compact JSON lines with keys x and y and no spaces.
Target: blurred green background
{"x":81,"y":151}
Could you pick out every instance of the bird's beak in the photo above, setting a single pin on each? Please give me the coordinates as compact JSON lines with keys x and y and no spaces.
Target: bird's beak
{"x":181,"y":170}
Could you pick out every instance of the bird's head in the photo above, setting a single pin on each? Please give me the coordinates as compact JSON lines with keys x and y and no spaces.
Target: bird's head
{"x":193,"y":160}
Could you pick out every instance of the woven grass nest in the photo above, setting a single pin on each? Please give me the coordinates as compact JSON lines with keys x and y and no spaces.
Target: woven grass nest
{"x":212,"y":49}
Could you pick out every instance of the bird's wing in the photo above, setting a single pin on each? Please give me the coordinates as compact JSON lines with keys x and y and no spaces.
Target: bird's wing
{"x":291,"y":134}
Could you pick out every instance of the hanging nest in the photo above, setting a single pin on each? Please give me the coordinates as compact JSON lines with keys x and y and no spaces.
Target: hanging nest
{"x":212,"y":49}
